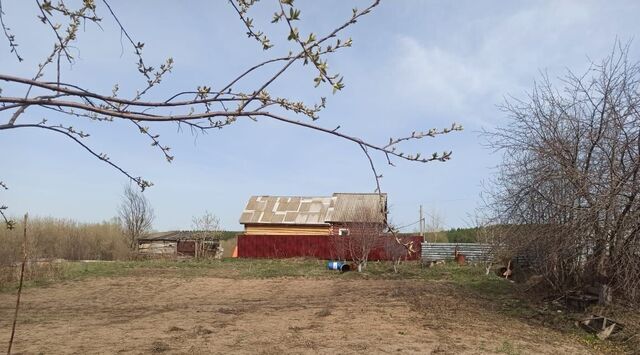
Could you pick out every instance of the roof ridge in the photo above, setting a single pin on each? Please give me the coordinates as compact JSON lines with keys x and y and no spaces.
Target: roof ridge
{"x":291,"y":196}
{"x":359,"y":193}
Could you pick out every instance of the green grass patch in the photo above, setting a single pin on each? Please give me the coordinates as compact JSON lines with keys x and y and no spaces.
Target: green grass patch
{"x":468,"y":277}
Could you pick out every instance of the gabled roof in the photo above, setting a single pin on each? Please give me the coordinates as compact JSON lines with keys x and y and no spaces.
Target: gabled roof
{"x":286,"y":210}
{"x":309,"y":210}
{"x":349,"y":205}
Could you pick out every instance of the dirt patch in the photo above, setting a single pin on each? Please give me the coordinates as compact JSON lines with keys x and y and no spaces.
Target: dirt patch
{"x":210,"y":315}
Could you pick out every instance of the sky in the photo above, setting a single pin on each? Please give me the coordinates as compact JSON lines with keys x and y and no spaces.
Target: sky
{"x":414,"y":65}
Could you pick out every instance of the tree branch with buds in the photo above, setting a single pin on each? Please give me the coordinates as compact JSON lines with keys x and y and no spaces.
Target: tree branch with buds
{"x":202,"y":108}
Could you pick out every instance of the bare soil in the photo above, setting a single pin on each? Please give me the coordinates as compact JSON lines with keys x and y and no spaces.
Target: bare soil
{"x":202,"y":315}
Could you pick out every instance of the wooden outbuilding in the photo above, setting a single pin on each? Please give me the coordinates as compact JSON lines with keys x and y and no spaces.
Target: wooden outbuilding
{"x":178,"y":243}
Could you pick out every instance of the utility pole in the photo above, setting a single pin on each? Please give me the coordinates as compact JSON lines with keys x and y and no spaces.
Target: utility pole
{"x":421,"y":224}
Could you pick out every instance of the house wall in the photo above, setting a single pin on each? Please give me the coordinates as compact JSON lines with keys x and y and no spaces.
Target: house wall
{"x":286,"y":229}
{"x":321,"y":247}
{"x":157,"y":247}
{"x":335,"y":228}
{"x":186,"y":248}
{"x":301,"y":229}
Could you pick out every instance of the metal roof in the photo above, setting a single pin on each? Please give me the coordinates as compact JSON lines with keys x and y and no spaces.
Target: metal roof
{"x":359,"y":207}
{"x":286,"y":210}
{"x":174,"y":235}
{"x":308,"y":210}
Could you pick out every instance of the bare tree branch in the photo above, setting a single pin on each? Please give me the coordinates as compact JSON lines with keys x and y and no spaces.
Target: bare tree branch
{"x":201,"y":109}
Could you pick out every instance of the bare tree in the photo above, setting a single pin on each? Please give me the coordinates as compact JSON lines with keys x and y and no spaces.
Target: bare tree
{"x":136,"y":215}
{"x":208,"y":223}
{"x":435,"y":228}
{"x":364,"y":226}
{"x":568,"y":191}
{"x":207,"y":234}
{"x":201,"y":109}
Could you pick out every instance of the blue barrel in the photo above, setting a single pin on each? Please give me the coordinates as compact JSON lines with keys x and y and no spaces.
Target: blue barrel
{"x":337,"y":265}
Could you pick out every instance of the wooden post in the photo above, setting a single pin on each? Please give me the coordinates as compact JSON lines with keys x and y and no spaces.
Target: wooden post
{"x":24,"y":261}
{"x":421,"y":225}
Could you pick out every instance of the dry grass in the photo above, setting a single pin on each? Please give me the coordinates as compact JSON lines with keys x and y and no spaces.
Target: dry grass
{"x":50,"y":238}
{"x":35,"y":273}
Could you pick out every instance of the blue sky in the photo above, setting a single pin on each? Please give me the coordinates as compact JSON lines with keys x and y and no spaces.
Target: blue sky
{"x":414,"y":65}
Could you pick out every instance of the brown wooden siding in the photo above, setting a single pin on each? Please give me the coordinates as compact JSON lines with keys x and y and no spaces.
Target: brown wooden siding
{"x":335,"y":228}
{"x":284,"y":229}
{"x":186,"y":247}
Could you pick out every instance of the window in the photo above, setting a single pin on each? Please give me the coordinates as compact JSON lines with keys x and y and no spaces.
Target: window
{"x":343,"y":232}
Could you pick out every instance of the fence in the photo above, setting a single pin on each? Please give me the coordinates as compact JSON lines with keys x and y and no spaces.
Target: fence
{"x":474,"y":252}
{"x":316,"y":246}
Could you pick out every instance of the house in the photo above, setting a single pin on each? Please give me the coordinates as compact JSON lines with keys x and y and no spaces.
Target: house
{"x":305,"y":216}
{"x":177,"y":243}
{"x":318,"y":227}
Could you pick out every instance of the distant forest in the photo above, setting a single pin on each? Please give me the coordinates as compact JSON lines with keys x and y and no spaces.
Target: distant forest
{"x":454,"y":235}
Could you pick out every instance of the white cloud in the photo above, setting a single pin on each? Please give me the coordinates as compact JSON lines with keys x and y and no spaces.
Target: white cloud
{"x":436,"y":76}
{"x":469,"y":70}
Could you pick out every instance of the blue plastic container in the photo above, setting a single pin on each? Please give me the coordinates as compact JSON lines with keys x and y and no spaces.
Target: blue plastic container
{"x":337,"y":265}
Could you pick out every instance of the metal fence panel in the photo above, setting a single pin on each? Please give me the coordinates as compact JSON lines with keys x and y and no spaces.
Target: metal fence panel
{"x":444,"y":251}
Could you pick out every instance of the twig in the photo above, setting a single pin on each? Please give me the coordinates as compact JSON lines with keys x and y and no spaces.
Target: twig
{"x":11,"y":38}
{"x":629,"y":338}
{"x":138,"y":180}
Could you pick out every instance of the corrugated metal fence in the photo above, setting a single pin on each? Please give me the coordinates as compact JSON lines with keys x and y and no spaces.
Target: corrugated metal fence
{"x":474,"y":252}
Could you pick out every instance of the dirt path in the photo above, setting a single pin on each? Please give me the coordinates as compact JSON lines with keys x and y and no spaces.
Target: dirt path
{"x":134,"y":315}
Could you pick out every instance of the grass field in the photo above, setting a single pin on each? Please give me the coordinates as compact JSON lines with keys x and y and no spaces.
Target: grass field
{"x":271,"y":306}
{"x":234,"y":268}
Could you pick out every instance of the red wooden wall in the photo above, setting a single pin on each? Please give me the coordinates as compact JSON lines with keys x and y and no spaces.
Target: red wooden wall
{"x":317,"y":246}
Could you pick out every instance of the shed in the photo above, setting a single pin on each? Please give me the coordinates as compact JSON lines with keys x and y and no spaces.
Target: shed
{"x":178,"y":243}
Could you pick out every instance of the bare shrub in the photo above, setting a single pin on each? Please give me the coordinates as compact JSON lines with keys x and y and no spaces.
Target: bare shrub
{"x":435,"y":228}
{"x":396,"y":252}
{"x":207,"y":234}
{"x":52,"y":238}
{"x":568,"y":191}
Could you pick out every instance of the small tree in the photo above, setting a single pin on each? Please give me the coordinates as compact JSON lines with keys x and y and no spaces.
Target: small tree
{"x":365,"y":225}
{"x":136,"y":215}
{"x":435,"y":230}
{"x":207,"y":229}
{"x":394,"y":251}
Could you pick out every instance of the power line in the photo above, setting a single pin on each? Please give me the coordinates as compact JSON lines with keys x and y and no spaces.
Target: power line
{"x":408,"y":225}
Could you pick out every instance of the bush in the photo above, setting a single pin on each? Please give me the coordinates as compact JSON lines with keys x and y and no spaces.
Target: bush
{"x":51,"y":238}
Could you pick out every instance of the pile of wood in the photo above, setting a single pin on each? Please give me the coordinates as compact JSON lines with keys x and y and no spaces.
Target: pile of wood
{"x":602,"y":326}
